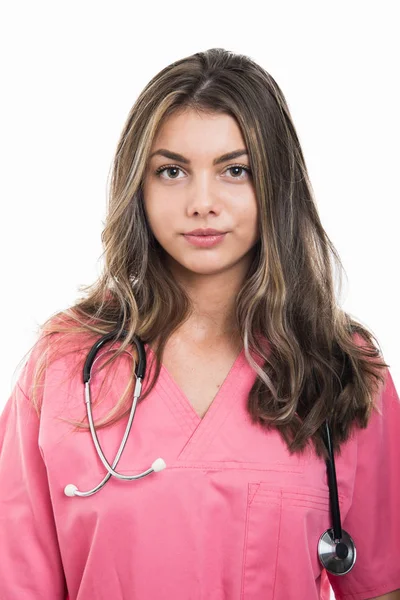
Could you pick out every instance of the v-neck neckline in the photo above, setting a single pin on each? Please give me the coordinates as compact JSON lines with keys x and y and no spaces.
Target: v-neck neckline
{"x":198,"y":432}
{"x":186,"y":405}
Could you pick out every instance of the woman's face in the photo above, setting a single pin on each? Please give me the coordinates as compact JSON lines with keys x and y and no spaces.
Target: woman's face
{"x":192,"y":192}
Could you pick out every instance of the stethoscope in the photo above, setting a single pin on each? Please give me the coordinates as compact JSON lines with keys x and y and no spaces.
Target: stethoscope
{"x":336,"y":549}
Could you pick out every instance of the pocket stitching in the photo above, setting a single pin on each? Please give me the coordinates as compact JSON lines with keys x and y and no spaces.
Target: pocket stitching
{"x":292,"y":495}
{"x":277,"y":546}
{"x":276,"y":495}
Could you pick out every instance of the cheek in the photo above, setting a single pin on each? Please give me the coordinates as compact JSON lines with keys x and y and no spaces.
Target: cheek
{"x":247,"y":220}
{"x":161,"y":218}
{"x":156,"y":206}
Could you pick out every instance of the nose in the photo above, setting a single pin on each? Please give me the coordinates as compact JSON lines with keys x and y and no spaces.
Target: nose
{"x":203,"y":195}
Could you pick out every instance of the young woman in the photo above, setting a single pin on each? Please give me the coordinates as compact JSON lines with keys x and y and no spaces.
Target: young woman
{"x":224,"y":486}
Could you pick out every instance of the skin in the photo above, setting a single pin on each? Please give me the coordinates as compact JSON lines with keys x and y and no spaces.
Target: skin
{"x":395,"y":595}
{"x":199,"y":195}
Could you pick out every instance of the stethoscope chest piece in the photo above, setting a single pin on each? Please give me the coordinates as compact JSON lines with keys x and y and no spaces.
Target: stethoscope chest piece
{"x":337,"y":557}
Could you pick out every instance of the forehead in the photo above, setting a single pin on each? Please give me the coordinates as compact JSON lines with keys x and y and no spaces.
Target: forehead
{"x":194,"y":134}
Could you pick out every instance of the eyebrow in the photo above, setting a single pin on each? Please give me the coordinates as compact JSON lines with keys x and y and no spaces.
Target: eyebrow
{"x":186,"y":161}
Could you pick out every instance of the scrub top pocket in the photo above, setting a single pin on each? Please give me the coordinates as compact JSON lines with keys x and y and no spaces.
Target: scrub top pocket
{"x":262,"y":531}
{"x":305,"y":517}
{"x":283,"y":526}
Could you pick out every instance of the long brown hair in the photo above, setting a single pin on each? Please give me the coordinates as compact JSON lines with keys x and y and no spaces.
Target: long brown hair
{"x":321,"y":362}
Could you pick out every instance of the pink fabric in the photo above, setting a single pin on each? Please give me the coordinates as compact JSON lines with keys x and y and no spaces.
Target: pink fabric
{"x":233,"y":516}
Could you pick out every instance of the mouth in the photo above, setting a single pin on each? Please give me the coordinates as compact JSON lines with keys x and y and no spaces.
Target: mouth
{"x":204,"y":241}
{"x":205,"y":232}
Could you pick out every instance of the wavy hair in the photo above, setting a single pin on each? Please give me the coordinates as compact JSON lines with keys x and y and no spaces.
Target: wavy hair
{"x":321,"y":362}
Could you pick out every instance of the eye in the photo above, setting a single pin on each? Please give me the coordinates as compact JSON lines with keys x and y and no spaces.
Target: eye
{"x":167,"y":168}
{"x":244,"y":168}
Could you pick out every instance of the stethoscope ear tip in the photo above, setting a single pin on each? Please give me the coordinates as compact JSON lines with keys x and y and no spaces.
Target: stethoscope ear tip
{"x":158,"y":465}
{"x":70,"y":490}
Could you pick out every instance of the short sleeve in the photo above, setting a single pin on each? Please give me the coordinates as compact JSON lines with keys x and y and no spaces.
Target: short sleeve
{"x":373,"y":520}
{"x":30,"y":565}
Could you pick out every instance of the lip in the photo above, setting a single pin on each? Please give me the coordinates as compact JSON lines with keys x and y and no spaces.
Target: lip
{"x":205,"y":241}
{"x":205,"y":231}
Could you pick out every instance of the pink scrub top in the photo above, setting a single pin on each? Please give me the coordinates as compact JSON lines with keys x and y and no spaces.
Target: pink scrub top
{"x":232,"y":517}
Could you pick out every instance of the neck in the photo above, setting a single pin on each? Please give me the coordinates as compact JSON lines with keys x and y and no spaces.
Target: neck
{"x":213,"y":300}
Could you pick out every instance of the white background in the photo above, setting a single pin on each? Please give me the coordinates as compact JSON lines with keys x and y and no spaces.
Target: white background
{"x":70,"y":73}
